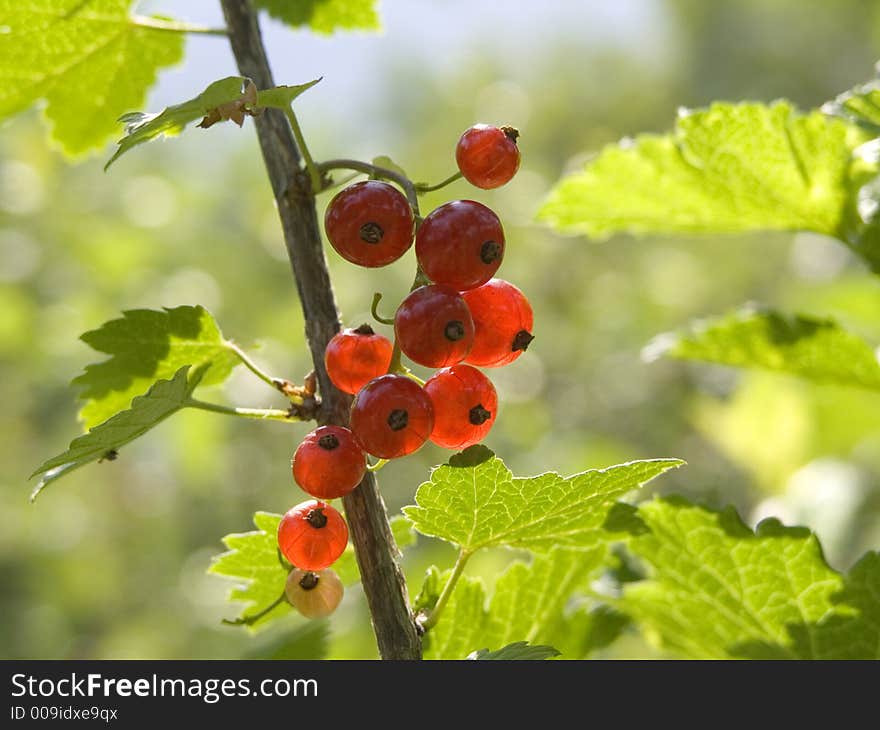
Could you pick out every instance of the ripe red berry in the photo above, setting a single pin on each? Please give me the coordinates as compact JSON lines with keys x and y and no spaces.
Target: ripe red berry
{"x":434,"y":327}
{"x":392,"y":416}
{"x":312,"y":535}
{"x":503,"y":323}
{"x":329,"y":463}
{"x":488,"y":156}
{"x":465,"y":404}
{"x":355,"y":356}
{"x":369,"y":223}
{"x":460,"y":244}
{"x":314,"y":594}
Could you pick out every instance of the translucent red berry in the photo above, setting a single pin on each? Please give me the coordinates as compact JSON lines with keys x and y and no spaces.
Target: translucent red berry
{"x":392,"y":416}
{"x":329,"y":463}
{"x":460,"y":244}
{"x":503,"y":323}
{"x":488,"y":156}
{"x":369,"y":223}
{"x":312,"y":535}
{"x":355,"y":356}
{"x":314,"y":594}
{"x":434,"y":327}
{"x":465,"y":404}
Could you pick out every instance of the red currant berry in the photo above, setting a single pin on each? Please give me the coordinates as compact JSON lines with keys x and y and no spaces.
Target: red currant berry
{"x":314,"y":594}
{"x":391,"y":416}
{"x":329,"y":463}
{"x":503,"y":322}
{"x":488,"y":156}
{"x":312,"y":535}
{"x":460,"y":244}
{"x":464,"y":403}
{"x":369,"y":223}
{"x":434,"y":327}
{"x":355,"y":356}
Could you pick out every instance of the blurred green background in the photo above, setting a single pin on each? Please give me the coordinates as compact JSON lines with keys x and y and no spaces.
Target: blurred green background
{"x":111,"y":561}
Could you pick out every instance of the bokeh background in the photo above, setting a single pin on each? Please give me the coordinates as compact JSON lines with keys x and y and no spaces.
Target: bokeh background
{"x":110,"y":562}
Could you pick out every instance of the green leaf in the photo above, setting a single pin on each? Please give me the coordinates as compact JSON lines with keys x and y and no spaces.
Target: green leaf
{"x":860,"y":105}
{"x":281,"y":97}
{"x":815,"y":349}
{"x":163,"y":399}
{"x":726,"y":169}
{"x":719,"y":590}
{"x":147,"y":345}
{"x":519,"y":650}
{"x":475,"y":502}
{"x":324,"y":16}
{"x":386,"y":162}
{"x":234,"y":97}
{"x":529,"y":603}
{"x":252,"y":560}
{"x":86,"y":58}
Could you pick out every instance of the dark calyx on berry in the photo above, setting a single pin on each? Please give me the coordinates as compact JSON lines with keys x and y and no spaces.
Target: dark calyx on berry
{"x":490,"y":251}
{"x":522,"y":340}
{"x":364,"y":329}
{"x":398,"y":419}
{"x":454,"y":330}
{"x":371,"y":232}
{"x":479,"y":415}
{"x":316,"y":518}
{"x":309,"y":581}
{"x":512,"y":133}
{"x":328,"y":442}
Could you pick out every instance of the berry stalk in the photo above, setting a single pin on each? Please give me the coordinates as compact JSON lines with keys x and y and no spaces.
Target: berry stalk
{"x":396,"y":633}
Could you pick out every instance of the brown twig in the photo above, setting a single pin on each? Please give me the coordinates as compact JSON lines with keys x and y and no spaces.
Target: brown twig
{"x":383,"y":583}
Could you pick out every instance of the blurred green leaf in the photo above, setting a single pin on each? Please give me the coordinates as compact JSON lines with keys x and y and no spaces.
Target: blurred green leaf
{"x":324,"y":16}
{"x":252,"y":559}
{"x":475,"y":502}
{"x":88,"y":60}
{"x":725,"y":169}
{"x":861,"y":105}
{"x":718,"y":590}
{"x":163,"y":399}
{"x":146,"y":345}
{"x":815,"y":349}
{"x":519,"y":650}
{"x":529,"y":603}
{"x":307,"y":641}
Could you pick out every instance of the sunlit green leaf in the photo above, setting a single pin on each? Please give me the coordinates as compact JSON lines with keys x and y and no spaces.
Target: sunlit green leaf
{"x":725,"y":169}
{"x":717,"y":589}
{"x":324,"y":16}
{"x":815,"y":349}
{"x":87,"y":59}
{"x":146,"y":345}
{"x":475,"y":502}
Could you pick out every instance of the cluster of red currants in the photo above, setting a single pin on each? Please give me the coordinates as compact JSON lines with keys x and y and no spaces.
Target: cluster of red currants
{"x":463,"y":318}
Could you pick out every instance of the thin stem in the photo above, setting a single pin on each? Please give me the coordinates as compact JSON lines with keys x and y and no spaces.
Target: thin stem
{"x":375,"y":171}
{"x":374,"y":310}
{"x":175,"y":26}
{"x":285,"y":386}
{"x":412,"y":376}
{"x":446,"y":593}
{"x":425,"y":188}
{"x":378,"y":465}
{"x":314,"y":173}
{"x":249,"y":620}
{"x":263,"y":414}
